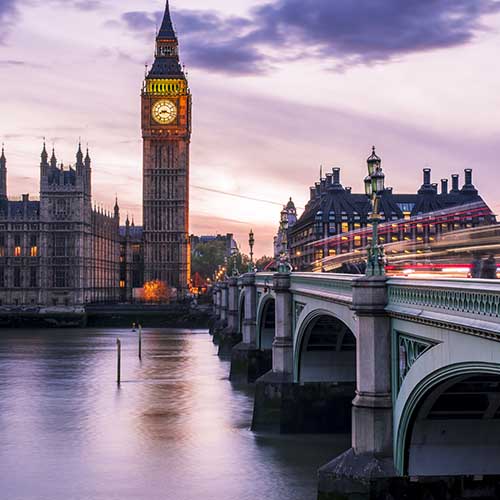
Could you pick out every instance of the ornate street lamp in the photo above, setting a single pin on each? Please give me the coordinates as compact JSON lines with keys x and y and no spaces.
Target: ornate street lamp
{"x":251,"y":243}
{"x":374,"y":187}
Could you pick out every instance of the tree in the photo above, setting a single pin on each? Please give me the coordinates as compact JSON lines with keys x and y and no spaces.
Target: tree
{"x":207,"y":257}
{"x":156,"y":291}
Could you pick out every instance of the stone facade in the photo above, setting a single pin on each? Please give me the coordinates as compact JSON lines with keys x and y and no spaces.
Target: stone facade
{"x":58,"y":250}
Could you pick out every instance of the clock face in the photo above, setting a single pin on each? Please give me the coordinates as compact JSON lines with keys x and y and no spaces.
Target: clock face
{"x":164,"y":112}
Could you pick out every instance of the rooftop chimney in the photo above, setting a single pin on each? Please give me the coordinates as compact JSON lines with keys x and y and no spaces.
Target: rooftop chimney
{"x":444,"y":186}
{"x":427,"y":176}
{"x":468,"y":177}
{"x":336,"y":175}
{"x":312,"y":193}
{"x":468,"y":186}
{"x":455,"y":178}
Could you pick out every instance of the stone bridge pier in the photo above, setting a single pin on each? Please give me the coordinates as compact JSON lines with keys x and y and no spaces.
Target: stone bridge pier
{"x":221,"y":311}
{"x":361,"y":470}
{"x":248,"y":362}
{"x":230,"y":335}
{"x":311,"y":384}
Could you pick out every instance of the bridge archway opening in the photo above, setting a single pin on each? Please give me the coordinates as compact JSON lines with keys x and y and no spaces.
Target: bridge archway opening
{"x":455,"y":428}
{"x":327,"y":352}
{"x":267,"y":325}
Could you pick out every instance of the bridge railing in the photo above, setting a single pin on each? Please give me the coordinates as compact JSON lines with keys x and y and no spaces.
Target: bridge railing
{"x":324,"y":284}
{"x":470,"y":298}
{"x":264,"y":279}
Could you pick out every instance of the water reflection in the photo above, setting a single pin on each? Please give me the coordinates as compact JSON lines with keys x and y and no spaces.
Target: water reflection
{"x":174,"y":429}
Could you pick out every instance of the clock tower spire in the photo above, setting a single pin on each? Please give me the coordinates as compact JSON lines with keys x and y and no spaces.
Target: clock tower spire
{"x":166,"y":132}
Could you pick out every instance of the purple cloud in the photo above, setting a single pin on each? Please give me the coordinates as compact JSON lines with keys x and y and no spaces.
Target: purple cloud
{"x":369,"y":31}
{"x":346,"y":32}
{"x":8,"y":14}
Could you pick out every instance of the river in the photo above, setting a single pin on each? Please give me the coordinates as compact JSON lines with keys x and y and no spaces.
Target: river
{"x":175,"y":428}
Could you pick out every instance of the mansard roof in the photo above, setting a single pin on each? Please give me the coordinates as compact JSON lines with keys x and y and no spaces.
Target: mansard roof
{"x":329,"y":199}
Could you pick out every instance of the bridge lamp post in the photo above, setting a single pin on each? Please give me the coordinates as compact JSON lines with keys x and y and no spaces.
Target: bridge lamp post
{"x":251,"y":243}
{"x":374,"y":187}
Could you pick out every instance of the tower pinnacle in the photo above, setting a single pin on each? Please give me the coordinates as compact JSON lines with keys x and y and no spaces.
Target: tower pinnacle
{"x":44,"y":156}
{"x":79,"y":155}
{"x":53,"y":159}
{"x":167,"y":28}
{"x":166,"y":63}
{"x":87,"y":159}
{"x":3,"y":160}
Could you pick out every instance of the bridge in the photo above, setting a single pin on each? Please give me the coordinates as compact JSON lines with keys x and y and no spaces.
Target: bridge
{"x":411,"y":368}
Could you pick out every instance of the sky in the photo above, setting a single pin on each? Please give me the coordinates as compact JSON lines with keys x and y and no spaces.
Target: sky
{"x":280,"y":88}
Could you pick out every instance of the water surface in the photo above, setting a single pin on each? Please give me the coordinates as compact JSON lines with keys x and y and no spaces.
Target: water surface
{"x":175,"y":428}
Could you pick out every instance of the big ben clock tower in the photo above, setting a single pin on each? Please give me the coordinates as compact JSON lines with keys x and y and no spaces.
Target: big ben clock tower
{"x":166,"y":132}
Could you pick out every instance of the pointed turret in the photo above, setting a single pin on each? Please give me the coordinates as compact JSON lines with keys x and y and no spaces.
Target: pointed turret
{"x":53,"y":159}
{"x":79,"y":157}
{"x":3,"y":175}
{"x":3,"y":160}
{"x":117,"y":209}
{"x":87,"y":159}
{"x":44,"y":157}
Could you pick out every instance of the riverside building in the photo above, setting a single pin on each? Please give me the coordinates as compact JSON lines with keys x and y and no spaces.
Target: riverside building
{"x":335,"y":220}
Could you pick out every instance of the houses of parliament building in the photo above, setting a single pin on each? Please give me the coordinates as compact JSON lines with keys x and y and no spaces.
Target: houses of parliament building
{"x":62,"y":251}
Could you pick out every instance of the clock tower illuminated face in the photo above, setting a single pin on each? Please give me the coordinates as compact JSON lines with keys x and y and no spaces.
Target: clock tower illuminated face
{"x":164,"y":112}
{"x":166,"y":132}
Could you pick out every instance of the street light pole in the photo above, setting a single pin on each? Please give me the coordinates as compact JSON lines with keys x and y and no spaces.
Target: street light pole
{"x":374,"y":187}
{"x":251,"y":243}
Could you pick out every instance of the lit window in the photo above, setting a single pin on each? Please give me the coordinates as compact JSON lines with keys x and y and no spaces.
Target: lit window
{"x":34,"y":251}
{"x":345,"y":227}
{"x":407,"y":215}
{"x":17,"y":252}
{"x":357,"y":241}
{"x":394,"y":238}
{"x":122,"y":283}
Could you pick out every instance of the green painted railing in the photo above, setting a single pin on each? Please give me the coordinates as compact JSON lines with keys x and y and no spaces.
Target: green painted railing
{"x":480,"y":298}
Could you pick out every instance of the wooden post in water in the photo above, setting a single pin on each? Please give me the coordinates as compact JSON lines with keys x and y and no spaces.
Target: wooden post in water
{"x":119,"y":361}
{"x":140,"y":342}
